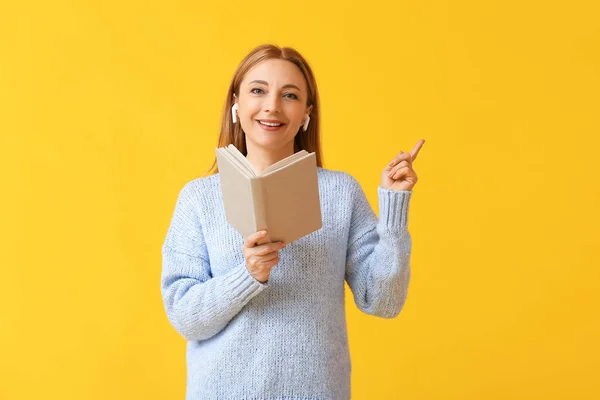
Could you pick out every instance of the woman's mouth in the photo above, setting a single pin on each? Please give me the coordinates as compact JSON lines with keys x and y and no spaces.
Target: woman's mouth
{"x":270,"y":126}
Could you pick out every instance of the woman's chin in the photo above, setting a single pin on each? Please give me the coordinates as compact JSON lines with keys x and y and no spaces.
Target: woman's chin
{"x":271,"y":141}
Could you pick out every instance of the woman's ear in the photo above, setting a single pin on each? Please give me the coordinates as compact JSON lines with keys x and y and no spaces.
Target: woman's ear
{"x":309,"y":110}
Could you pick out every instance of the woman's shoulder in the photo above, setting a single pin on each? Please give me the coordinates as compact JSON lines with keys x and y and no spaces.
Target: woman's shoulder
{"x":202,"y":186}
{"x":206,"y":181}
{"x":331,"y":177}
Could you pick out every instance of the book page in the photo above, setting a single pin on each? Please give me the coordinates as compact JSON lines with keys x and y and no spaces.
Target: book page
{"x":240,"y":160}
{"x":223,"y":153}
{"x":237,"y":194}
{"x":278,"y":166}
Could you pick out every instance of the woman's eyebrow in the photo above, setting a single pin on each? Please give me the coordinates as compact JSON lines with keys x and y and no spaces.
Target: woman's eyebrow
{"x":289,"y":85}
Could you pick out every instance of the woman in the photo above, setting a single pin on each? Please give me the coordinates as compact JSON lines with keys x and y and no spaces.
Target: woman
{"x":268,"y":321}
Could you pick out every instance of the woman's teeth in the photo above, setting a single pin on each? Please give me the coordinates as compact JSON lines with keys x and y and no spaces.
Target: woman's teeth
{"x":270,"y":123}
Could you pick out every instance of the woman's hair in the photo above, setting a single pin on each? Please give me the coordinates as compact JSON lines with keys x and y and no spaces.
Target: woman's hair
{"x":232,"y":133}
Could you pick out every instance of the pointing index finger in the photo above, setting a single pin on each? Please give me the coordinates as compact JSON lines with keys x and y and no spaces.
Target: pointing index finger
{"x":415,"y":151}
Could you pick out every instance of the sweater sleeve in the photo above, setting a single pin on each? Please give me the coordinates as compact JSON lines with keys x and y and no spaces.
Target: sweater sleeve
{"x":197,"y":304}
{"x":378,"y":254}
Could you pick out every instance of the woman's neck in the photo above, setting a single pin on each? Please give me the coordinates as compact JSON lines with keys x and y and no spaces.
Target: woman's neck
{"x":261,"y":158}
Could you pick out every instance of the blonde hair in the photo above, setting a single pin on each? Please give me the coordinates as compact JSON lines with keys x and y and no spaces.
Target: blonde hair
{"x":232,"y":133}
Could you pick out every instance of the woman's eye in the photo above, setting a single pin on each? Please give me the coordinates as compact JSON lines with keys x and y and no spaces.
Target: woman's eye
{"x":259,"y":91}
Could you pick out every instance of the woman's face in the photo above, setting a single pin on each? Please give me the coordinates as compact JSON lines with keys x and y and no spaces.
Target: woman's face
{"x":275,"y":92}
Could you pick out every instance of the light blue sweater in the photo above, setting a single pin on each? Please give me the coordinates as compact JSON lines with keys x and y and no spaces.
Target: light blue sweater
{"x":287,"y":338}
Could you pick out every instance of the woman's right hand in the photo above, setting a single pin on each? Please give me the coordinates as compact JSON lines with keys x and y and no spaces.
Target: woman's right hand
{"x":260,"y":258}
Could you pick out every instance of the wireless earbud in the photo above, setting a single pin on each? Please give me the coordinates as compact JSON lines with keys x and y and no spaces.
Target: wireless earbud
{"x":233,"y":112}
{"x":305,"y":127}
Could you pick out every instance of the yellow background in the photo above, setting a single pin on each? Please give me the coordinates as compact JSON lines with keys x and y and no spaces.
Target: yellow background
{"x":108,"y":108}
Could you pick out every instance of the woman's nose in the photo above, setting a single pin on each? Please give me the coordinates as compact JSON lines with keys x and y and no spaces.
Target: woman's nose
{"x":272,"y":103}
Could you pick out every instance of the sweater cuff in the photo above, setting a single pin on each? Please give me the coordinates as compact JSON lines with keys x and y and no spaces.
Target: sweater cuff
{"x":393,"y":208}
{"x":244,"y":285}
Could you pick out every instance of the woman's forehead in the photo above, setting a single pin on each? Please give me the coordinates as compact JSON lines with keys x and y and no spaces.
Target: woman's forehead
{"x":276,"y":72}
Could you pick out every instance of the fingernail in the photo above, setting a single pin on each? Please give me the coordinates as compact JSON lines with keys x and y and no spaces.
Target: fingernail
{"x":263,"y":233}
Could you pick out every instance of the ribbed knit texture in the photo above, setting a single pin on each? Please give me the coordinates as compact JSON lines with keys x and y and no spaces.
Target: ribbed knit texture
{"x":285,"y":339}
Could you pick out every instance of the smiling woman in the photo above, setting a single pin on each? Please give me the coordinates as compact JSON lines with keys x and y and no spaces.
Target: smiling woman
{"x":277,"y":102}
{"x":273,"y":94}
{"x":259,"y":332}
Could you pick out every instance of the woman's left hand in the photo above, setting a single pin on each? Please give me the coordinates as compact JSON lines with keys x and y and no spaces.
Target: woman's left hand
{"x":399,"y":174}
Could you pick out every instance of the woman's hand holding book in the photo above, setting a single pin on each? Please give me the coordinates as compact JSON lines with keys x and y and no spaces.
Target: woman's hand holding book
{"x":261,"y":256}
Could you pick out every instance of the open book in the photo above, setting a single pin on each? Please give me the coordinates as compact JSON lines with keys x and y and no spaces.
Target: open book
{"x":283,"y":199}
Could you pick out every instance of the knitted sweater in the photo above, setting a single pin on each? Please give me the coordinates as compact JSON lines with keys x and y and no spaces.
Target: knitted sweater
{"x":285,"y":339}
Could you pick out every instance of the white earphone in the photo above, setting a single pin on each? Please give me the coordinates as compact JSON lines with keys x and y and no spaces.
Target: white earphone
{"x":234,"y":117}
{"x":305,"y":127}
{"x":233,"y":112}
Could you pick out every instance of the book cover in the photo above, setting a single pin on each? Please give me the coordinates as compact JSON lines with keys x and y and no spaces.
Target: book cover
{"x":284,"y":199}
